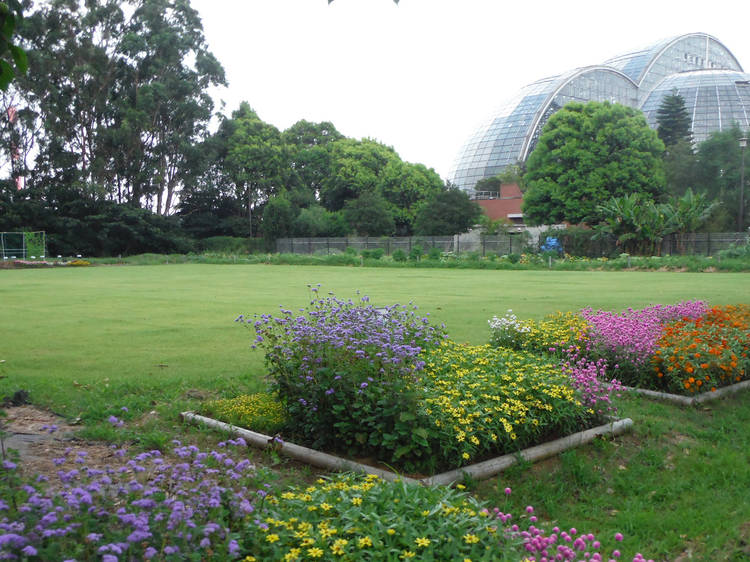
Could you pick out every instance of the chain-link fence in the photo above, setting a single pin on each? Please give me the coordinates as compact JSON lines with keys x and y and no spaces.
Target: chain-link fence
{"x":582,"y":244}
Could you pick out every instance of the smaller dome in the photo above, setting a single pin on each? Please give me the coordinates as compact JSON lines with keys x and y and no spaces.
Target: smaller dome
{"x":716,"y":100}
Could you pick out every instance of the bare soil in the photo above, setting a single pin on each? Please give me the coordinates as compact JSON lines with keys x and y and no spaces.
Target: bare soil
{"x":24,"y":432}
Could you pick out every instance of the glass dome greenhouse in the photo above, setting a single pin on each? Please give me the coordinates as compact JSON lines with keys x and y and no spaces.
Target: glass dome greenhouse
{"x":698,"y":66}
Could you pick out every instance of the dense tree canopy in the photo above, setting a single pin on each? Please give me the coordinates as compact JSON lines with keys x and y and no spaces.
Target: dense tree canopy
{"x":587,"y":154}
{"x":448,"y":212}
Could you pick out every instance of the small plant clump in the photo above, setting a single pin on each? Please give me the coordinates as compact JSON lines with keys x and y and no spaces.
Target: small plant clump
{"x":261,"y":411}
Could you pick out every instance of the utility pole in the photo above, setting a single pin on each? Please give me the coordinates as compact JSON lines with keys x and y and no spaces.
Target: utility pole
{"x":740,"y":218}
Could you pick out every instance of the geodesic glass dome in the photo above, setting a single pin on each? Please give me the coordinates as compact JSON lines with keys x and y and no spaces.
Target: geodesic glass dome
{"x":716,"y":100}
{"x":637,"y":79}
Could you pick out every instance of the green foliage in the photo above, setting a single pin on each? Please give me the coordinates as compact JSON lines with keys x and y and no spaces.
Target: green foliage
{"x":680,"y":167}
{"x":434,"y":253}
{"x":233,"y":245}
{"x":278,"y":218}
{"x":673,"y":121}
{"x":374,"y":254}
{"x":368,"y":215}
{"x":416,"y":253}
{"x":587,"y":154}
{"x":399,"y":255}
{"x":315,"y":221}
{"x":448,"y":212}
{"x":718,"y":175}
{"x":12,"y":58}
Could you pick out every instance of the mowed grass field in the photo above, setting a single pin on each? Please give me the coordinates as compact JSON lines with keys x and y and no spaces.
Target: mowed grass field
{"x":82,"y":337}
{"x":159,"y":339}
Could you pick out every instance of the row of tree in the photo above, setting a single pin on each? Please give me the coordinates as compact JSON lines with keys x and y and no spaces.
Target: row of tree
{"x":115,"y":112}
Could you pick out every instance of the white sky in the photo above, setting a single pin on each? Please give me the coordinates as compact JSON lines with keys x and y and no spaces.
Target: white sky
{"x":422,"y":75}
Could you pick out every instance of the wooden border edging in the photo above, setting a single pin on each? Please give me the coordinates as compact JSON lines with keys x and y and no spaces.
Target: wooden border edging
{"x":691,"y":400}
{"x":478,"y":471}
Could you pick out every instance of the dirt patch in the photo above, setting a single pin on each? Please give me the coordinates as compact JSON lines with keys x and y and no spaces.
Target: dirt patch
{"x":40,"y":436}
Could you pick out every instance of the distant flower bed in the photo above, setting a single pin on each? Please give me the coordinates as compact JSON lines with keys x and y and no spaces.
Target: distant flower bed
{"x":387,"y":384}
{"x":685,"y":348}
{"x":15,"y":263}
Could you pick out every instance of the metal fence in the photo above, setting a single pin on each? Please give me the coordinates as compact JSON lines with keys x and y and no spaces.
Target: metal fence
{"x":700,"y":243}
{"x":472,"y":242}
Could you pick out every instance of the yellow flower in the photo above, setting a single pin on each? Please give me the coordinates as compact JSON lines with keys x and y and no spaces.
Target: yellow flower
{"x":250,"y":559}
{"x":356,"y":501}
{"x":407,"y":554}
{"x":391,"y":532}
{"x":465,"y":456}
{"x":471,"y":539}
{"x":364,"y":541}
{"x":426,"y":512}
{"x":325,"y":507}
{"x":293,"y":554}
{"x":338,"y":546}
{"x":307,"y":542}
{"x":314,"y":552}
{"x":273,"y":537}
{"x":422,"y":541}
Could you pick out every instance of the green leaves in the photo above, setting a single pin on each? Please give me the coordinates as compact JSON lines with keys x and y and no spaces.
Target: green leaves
{"x":10,"y":15}
{"x":588,"y":153}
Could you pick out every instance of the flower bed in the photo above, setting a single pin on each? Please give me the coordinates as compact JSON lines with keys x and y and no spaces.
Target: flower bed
{"x":387,"y":385}
{"x":215,"y":505}
{"x":687,"y":349}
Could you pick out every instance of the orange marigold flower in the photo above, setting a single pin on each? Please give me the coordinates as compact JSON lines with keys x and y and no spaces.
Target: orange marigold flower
{"x":704,"y":365}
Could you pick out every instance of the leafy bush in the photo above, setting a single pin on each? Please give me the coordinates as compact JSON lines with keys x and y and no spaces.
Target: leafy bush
{"x":260,"y":412}
{"x":344,"y":373}
{"x":736,"y":251}
{"x":234,"y":245}
{"x":374,"y":254}
{"x":399,"y":255}
{"x":434,"y":254}
{"x":416,"y":253}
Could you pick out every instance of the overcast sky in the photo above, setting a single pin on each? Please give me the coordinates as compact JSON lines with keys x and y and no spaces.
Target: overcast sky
{"x":420,"y":76}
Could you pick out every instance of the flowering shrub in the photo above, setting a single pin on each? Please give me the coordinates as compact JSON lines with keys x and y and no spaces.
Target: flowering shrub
{"x":628,"y":340}
{"x":344,"y":373}
{"x":483,"y":401}
{"x":702,"y":354}
{"x":261,"y":411}
{"x":553,"y":334}
{"x":365,"y":518}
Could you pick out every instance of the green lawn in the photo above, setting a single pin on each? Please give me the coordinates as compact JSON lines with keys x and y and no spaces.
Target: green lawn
{"x":87,"y":341}
{"x":170,"y":329}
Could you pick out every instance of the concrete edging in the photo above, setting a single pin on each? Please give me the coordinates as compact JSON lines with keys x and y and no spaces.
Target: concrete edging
{"x":478,"y":471}
{"x":691,"y":400}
